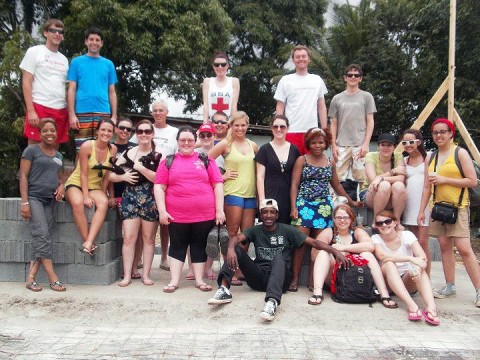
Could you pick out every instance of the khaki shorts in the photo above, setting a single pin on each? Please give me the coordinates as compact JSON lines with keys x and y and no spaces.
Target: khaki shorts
{"x":460,"y":229}
{"x":348,"y":166}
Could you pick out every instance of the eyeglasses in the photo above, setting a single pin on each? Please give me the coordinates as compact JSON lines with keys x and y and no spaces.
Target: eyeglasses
{"x":350,"y":75}
{"x":384,"y":222}
{"x":340,"y":218}
{"x":281,"y":127}
{"x":205,"y":135}
{"x":56,"y":31}
{"x":223,"y":122}
{"x":124,"y":128}
{"x":440,"y":132}
{"x":186,"y":141}
{"x":144,"y":131}
{"x":409,"y":142}
{"x":220,"y":64}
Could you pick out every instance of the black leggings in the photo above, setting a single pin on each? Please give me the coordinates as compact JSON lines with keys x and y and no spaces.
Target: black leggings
{"x":183,"y":235}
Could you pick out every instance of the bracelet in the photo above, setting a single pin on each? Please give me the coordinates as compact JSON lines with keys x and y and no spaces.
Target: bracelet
{"x":25,"y":203}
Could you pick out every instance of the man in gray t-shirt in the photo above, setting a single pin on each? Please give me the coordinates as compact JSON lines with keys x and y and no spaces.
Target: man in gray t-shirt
{"x":351,"y":112}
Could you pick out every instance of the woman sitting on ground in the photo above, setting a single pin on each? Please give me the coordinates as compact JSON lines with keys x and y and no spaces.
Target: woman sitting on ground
{"x":87,"y":185}
{"x":40,"y":186}
{"x":384,"y":187}
{"x":138,"y":209}
{"x":404,"y":264}
{"x":346,"y":238}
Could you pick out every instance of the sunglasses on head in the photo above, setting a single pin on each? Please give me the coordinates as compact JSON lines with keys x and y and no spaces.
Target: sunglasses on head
{"x":409,"y":142}
{"x":143,"y":131}
{"x":125,"y":128}
{"x":282,"y":127}
{"x":223,"y":64}
{"x":350,"y":75}
{"x":204,"y":135}
{"x":55,"y":31}
{"x":383,"y":222}
{"x":223,"y":122}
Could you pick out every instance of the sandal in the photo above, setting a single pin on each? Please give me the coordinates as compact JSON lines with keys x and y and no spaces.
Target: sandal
{"x":86,"y":250}
{"x":204,"y":287}
{"x":414,"y":315}
{"x":169,"y":288}
{"x":33,"y":286}
{"x":315,"y":299}
{"x":430,"y":318}
{"x":211,"y":276}
{"x":148,"y":282}
{"x":388,"y":300}
{"x":57,"y":286}
{"x":189,"y":277}
{"x":293,"y":287}
{"x":236,"y":282}
{"x":136,"y":276}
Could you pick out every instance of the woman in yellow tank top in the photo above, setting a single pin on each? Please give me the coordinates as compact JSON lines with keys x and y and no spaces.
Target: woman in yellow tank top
{"x":239,"y":178}
{"x":88,"y":186}
{"x":448,"y":183}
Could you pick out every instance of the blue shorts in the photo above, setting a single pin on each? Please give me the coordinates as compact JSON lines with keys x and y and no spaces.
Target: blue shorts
{"x":244,"y":203}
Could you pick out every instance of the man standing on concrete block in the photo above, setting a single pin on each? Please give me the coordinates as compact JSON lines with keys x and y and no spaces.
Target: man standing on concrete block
{"x":91,"y":93}
{"x":44,"y":76}
{"x":301,"y":98}
{"x":351,"y":112}
{"x":271,"y":269}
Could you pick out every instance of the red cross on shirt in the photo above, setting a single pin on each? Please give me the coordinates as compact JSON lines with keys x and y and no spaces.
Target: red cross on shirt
{"x":220,"y":106}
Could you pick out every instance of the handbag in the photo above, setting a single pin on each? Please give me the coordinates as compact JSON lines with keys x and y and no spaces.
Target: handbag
{"x":443,"y":211}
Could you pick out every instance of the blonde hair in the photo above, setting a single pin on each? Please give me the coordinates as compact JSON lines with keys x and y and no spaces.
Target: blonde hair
{"x":239,"y":115}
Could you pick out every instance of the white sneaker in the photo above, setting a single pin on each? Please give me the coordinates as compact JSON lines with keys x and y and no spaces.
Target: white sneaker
{"x":220,"y":297}
{"x":268,"y":312}
{"x":444,"y":292}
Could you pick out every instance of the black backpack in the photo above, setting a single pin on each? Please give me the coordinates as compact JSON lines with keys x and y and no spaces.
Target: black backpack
{"x":202,"y":156}
{"x":355,"y":285}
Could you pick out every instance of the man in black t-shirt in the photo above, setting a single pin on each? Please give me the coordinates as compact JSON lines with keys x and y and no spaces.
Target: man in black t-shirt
{"x":270,"y":271}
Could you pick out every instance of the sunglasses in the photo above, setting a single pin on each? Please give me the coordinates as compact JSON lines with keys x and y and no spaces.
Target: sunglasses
{"x":409,"y":142}
{"x":220,"y":64}
{"x":384,"y":222}
{"x":144,"y":131}
{"x":205,"y":135}
{"x":124,"y":128}
{"x":223,"y":122}
{"x":56,"y":31}
{"x":350,"y":75}
{"x":339,"y":218}
{"x":186,"y":141}
{"x":440,"y":132}
{"x":282,"y":127}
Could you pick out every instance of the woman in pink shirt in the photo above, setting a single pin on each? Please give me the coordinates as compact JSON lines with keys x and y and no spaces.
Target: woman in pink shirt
{"x":189,"y":196}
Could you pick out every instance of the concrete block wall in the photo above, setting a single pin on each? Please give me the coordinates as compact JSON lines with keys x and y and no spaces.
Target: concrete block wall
{"x":71,"y":265}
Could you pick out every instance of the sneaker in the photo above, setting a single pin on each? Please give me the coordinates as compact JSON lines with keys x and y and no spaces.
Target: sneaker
{"x":220,"y":297}
{"x":223,"y":239}
{"x":444,"y":292}
{"x":212,"y":243}
{"x":477,"y":299}
{"x":268,"y":312}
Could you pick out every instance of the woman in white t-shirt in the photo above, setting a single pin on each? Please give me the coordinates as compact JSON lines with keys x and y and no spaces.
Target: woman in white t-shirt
{"x":403,"y":264}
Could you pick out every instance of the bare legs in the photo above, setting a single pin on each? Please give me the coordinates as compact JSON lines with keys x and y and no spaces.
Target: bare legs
{"x":421,"y":232}
{"x":387,"y":196}
{"x":75,"y":197}
{"x":298,"y":255}
{"x":47,"y":265}
{"x":164,"y":239}
{"x":323,"y":264}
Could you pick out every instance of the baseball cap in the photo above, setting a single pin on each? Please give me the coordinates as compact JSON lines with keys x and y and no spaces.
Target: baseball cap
{"x":206,"y":128}
{"x":386,"y":137}
{"x":268,"y":203}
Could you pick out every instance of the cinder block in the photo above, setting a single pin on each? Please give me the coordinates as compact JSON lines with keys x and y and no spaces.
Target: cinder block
{"x":95,"y":275}
{"x":104,"y":254}
{"x":61,"y":270}
{"x":114,"y":230}
{"x":12,"y":251}
{"x":15,"y":230}
{"x":64,"y":213}
{"x":68,"y":233}
{"x":11,"y":209}
{"x":435,"y":251}
{"x":112,"y":215}
{"x":13,"y":271}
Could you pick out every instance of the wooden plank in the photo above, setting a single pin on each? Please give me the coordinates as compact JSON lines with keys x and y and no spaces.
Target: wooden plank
{"x":466,"y":136}
{"x":451,"y":59}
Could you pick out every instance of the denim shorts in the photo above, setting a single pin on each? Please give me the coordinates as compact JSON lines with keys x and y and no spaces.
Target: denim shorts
{"x":244,"y":203}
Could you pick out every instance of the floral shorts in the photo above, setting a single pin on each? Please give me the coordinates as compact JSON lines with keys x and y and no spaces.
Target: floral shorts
{"x":138,"y":202}
{"x":315,"y":214}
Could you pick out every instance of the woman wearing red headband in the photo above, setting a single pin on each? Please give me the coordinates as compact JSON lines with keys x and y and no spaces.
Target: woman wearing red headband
{"x":444,"y":176}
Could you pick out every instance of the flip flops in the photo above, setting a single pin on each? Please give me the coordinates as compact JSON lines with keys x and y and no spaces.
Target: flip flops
{"x":33,"y":286}
{"x":169,"y":288}
{"x":414,"y":315}
{"x":57,"y":286}
{"x":204,"y":287}
{"x":293,"y":287}
{"x":315,"y":300}
{"x":389,"y":306}
{"x":430,"y":318}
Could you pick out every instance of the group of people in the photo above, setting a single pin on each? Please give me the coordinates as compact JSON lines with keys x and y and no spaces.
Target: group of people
{"x":155,"y":176}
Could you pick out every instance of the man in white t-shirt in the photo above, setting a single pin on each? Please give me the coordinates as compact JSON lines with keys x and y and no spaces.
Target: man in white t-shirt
{"x":44,"y":78}
{"x":165,"y":140}
{"x":352,"y":113}
{"x":301,"y":98}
